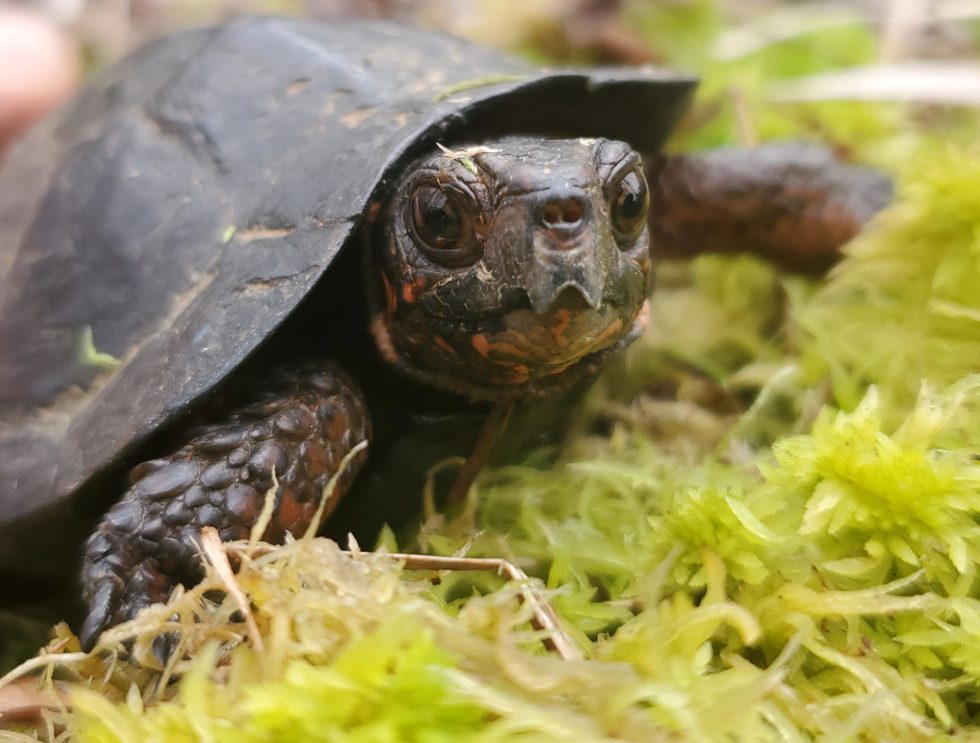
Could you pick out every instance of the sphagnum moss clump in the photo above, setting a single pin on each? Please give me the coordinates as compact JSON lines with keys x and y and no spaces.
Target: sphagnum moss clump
{"x":905,"y":307}
{"x":880,"y":506}
{"x":821,"y":587}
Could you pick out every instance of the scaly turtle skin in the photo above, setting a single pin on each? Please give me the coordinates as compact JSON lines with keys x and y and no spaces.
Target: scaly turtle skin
{"x":296,"y":238}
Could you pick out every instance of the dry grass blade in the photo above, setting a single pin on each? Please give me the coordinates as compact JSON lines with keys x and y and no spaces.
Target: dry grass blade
{"x":937,"y":83}
{"x":491,"y":430}
{"x":268,"y":506}
{"x":903,"y":21}
{"x":215,"y":552}
{"x":747,"y":136}
{"x":329,"y":490}
{"x":544,"y":616}
{"x":38,"y":662}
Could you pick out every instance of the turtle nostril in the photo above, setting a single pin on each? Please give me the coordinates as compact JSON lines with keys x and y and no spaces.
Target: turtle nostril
{"x":563,"y":213}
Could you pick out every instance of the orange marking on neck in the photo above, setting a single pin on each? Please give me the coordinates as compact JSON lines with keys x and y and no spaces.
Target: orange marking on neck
{"x":390,"y":297}
{"x":519,"y":373}
{"x":412,"y":286}
{"x":382,"y":337}
{"x":612,"y":329}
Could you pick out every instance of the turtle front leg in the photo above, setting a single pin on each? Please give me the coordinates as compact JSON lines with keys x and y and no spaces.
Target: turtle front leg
{"x":795,"y":205}
{"x":149,"y":541}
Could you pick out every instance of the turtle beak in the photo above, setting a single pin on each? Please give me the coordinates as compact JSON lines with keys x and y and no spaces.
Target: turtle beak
{"x":567,"y":253}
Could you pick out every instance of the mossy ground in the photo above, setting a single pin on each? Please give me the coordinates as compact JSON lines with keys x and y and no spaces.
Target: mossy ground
{"x":771,"y":532}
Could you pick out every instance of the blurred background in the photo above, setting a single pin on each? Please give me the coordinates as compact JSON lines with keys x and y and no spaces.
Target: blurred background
{"x":789,"y":55}
{"x":583,"y":30}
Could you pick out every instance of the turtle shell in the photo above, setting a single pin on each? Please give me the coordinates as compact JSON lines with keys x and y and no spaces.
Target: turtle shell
{"x":166,"y":221}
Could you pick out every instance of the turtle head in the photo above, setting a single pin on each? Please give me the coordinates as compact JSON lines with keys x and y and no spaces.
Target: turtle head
{"x":514,"y":267}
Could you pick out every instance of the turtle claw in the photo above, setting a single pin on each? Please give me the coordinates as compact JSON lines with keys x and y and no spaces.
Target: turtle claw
{"x":120,"y":577}
{"x":165,"y":645}
{"x":102,"y":608}
{"x":112,"y":601}
{"x":108,"y":608}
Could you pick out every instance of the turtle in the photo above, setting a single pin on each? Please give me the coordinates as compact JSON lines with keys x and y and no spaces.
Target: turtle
{"x":246,"y":249}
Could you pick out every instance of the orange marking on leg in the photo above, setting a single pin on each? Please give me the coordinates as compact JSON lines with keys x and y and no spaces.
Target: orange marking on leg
{"x":508,"y":349}
{"x":314,"y":458}
{"x":338,"y":426}
{"x":481,"y":345}
{"x":290,"y":513}
{"x":248,"y":512}
{"x":443,"y":344}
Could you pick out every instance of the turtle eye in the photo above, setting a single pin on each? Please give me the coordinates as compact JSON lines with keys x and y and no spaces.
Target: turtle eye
{"x":629,"y":201}
{"x":442,"y":223}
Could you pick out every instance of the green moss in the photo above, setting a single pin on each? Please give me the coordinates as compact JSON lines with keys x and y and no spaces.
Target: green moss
{"x":770,"y":535}
{"x":396,"y":668}
{"x":882,"y":506}
{"x":904,"y":308}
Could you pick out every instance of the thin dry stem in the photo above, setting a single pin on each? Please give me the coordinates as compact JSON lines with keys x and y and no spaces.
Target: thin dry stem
{"x":544,"y":617}
{"x":330,"y":489}
{"x":41,"y":661}
{"x":477,"y":460}
{"x":216,"y":554}
{"x":269,"y":505}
